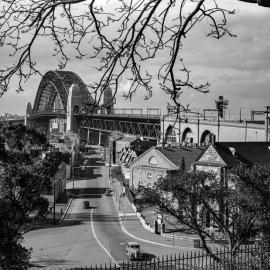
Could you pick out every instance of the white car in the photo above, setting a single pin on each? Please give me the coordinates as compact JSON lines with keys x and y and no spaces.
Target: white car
{"x":133,"y":250}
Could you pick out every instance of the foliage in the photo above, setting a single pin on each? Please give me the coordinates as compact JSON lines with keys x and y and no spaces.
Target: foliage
{"x":256,"y":182}
{"x":24,"y":176}
{"x":116,"y":172}
{"x":125,"y":36}
{"x":232,"y":207}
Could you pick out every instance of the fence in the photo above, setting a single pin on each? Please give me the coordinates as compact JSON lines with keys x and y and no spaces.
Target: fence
{"x":248,"y":258}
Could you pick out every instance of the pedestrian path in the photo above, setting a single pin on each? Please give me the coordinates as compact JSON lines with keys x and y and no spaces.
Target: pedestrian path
{"x":132,"y":225}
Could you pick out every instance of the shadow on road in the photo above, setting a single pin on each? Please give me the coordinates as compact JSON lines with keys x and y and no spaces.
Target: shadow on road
{"x":87,"y":196}
{"x":105,"y":218}
{"x":44,"y":263}
{"x":48,"y":224}
{"x":148,"y":256}
{"x":79,"y":192}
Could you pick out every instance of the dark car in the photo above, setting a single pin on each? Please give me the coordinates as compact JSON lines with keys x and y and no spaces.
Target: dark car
{"x":86,"y":204}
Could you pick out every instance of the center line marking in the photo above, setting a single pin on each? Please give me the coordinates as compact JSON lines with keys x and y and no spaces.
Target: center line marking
{"x":93,"y":231}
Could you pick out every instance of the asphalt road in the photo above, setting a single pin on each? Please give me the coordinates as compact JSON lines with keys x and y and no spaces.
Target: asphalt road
{"x":87,"y":236}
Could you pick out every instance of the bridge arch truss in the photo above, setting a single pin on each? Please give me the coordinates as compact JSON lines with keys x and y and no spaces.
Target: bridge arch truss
{"x":150,"y":128}
{"x":58,"y":83}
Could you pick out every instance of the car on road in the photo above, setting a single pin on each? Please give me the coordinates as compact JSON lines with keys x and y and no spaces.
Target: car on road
{"x":133,"y":250}
{"x":86,"y":204}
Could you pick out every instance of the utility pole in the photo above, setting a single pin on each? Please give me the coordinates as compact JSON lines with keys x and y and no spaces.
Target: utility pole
{"x":267,"y":122}
{"x":198,"y":128}
{"x":54,"y":200}
{"x":246,"y":131}
{"x":110,"y":164}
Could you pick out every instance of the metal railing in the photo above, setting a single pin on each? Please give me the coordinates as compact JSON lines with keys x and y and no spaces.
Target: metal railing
{"x":248,"y":258}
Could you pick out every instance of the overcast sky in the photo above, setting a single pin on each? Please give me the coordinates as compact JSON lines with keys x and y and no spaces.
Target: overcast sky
{"x":237,"y":68}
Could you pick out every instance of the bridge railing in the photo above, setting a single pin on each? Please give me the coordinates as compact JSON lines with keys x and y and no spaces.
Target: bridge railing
{"x":136,"y":111}
{"x":194,"y":118}
{"x":150,"y":112}
{"x":50,"y":111}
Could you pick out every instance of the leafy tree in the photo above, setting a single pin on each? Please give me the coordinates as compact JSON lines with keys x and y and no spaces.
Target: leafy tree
{"x":124,"y":36}
{"x":24,"y":176}
{"x":197,"y":199}
{"x":116,"y":172}
{"x":256,"y":182}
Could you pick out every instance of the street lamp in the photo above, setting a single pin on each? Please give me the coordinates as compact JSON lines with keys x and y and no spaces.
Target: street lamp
{"x":54,"y":200}
{"x":240,"y":114}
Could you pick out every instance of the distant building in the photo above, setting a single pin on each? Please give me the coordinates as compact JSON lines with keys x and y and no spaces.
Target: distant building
{"x":135,"y":149}
{"x":158,"y":162}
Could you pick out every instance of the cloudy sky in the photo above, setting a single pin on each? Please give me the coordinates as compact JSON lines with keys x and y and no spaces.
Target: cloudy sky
{"x":237,"y":68}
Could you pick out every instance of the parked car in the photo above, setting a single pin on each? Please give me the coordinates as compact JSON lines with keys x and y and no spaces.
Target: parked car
{"x":86,"y":204}
{"x":133,"y":250}
{"x":83,"y":167}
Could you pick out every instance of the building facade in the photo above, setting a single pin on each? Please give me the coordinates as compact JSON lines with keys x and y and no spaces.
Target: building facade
{"x":158,"y":162}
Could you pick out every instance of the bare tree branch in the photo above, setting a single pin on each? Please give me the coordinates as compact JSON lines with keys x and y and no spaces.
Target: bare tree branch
{"x":126,"y":40}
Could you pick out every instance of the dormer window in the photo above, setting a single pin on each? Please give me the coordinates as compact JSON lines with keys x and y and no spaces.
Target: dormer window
{"x":232,"y":149}
{"x":153,"y":160}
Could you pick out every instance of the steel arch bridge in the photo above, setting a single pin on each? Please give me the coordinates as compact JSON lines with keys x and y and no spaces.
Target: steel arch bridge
{"x":137,"y":125}
{"x":57,"y":83}
{"x":51,"y":101}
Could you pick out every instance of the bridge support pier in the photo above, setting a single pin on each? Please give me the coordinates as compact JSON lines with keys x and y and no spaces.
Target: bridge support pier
{"x":88,"y":136}
{"x":99,"y":138}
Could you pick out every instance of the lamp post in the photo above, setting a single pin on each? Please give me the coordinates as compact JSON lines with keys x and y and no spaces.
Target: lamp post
{"x":109,"y":165}
{"x":73,"y":179}
{"x":54,"y":200}
{"x":240,"y":114}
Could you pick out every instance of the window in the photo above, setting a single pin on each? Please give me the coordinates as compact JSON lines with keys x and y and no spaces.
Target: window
{"x":149,"y":175}
{"x":153,"y":161}
{"x":172,"y":136}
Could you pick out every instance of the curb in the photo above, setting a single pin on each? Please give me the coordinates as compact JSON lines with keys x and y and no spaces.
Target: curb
{"x":141,"y":239}
{"x":180,"y":237}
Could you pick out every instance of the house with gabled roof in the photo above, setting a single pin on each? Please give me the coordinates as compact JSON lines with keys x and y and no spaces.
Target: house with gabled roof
{"x":158,"y":162}
{"x":220,"y":156}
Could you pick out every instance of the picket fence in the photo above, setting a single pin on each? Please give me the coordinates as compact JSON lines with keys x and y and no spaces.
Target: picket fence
{"x":248,"y":258}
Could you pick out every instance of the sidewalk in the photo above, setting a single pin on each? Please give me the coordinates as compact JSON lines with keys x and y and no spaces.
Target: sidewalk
{"x":131,"y":224}
{"x":135,"y":226}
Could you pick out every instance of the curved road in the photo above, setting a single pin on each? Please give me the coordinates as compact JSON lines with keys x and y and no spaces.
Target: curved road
{"x":87,"y":236}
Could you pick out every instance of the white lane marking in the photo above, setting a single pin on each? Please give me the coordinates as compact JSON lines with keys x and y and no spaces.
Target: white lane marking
{"x":143,"y":240}
{"x":93,"y":231}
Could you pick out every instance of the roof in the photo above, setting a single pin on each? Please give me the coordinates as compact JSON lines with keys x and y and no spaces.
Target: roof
{"x":62,"y":148}
{"x":139,"y":146}
{"x":234,"y":153}
{"x":127,"y":139}
{"x":132,"y":243}
{"x":176,"y":155}
{"x":245,"y":152}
